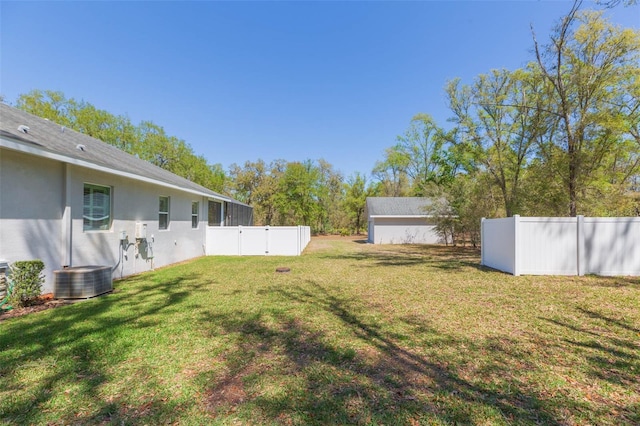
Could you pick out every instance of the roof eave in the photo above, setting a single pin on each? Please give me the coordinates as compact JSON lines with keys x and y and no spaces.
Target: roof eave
{"x":15,"y":144}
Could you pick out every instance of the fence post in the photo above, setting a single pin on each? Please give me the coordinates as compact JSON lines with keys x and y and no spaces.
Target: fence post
{"x":482,"y":241}
{"x":267,"y":239}
{"x":581,"y":259}
{"x":239,"y":240}
{"x":516,"y":243}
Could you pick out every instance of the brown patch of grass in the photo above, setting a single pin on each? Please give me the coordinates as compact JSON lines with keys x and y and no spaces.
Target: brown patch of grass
{"x":229,"y":391}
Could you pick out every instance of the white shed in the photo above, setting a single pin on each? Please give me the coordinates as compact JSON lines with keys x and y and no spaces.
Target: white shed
{"x":400,"y":220}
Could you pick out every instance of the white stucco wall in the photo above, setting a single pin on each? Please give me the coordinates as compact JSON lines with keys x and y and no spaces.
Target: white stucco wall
{"x":132,"y":202}
{"x":402,"y":231}
{"x":31,"y":210}
{"x":35,"y":225}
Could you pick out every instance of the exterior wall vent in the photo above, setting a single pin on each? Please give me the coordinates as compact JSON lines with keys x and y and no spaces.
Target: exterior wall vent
{"x":82,"y":282}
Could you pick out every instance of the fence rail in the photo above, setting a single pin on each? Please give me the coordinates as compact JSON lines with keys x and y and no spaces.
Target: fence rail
{"x":257,"y":240}
{"x":562,"y":246}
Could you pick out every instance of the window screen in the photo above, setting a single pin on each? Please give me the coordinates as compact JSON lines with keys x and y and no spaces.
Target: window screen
{"x":163,"y":213}
{"x":215,"y":213}
{"x":96,"y":215}
{"x":194,"y":214}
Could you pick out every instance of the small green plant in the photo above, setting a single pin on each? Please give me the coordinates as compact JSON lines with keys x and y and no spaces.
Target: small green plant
{"x":344,"y":232}
{"x":27,"y":279}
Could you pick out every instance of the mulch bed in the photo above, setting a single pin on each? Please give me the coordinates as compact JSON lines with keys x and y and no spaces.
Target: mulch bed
{"x":42,"y":303}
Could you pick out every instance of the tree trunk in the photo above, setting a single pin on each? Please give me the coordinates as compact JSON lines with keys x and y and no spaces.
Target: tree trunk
{"x":573,"y":179}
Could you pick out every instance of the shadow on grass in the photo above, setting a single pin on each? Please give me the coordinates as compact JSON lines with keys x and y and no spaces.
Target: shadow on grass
{"x":309,"y":356}
{"x":69,"y":347}
{"x":435,"y":256}
{"x":611,"y":349}
{"x":616,"y":281}
{"x":374,"y":380}
{"x":608,"y":320}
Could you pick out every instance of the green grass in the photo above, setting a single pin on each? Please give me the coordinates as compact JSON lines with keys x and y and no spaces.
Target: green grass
{"x":354,"y":334}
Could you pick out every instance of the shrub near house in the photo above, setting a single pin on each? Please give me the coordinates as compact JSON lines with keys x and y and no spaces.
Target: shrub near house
{"x":25,"y":282}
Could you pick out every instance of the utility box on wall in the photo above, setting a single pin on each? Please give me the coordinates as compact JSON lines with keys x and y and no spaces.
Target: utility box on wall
{"x":141,"y":231}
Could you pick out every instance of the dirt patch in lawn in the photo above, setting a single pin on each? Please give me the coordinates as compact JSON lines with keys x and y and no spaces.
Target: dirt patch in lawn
{"x":42,"y":303}
{"x":229,"y":392}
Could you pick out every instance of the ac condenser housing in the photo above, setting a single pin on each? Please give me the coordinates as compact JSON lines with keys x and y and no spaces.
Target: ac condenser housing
{"x":82,"y":282}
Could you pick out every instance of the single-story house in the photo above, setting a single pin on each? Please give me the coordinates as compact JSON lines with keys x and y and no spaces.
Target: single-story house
{"x":400,"y":220}
{"x":72,"y":200}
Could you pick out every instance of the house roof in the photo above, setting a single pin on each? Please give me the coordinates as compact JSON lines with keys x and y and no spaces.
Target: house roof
{"x":43,"y":136}
{"x":397,"y":206}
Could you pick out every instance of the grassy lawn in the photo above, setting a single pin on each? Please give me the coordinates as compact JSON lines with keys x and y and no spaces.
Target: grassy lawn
{"x":354,"y":334}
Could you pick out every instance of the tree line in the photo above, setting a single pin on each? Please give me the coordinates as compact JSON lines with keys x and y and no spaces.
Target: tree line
{"x":559,"y":136}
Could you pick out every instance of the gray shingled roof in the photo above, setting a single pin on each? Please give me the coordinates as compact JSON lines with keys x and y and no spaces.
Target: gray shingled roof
{"x":397,"y":206}
{"x":49,"y":136}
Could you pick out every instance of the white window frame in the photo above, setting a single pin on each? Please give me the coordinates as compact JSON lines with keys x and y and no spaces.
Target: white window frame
{"x":93,"y":206}
{"x":162,"y":213}
{"x":195,"y":215}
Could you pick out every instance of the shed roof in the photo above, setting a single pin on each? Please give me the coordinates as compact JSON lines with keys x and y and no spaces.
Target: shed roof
{"x":46,"y":136}
{"x":398,"y":206}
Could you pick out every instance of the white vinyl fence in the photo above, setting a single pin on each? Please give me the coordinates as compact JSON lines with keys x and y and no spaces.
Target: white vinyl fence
{"x":257,"y":240}
{"x":562,"y":246}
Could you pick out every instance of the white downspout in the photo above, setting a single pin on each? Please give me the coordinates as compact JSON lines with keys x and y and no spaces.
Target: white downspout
{"x":67,"y":221}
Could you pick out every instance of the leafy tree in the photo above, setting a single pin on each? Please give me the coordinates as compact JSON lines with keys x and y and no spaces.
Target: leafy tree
{"x":458,"y":208}
{"x":499,"y":119}
{"x":391,"y":174}
{"x":292,"y":193}
{"x":356,"y":193}
{"x":330,"y":196}
{"x":545,"y":193}
{"x":423,"y":147}
{"x":561,"y":135}
{"x":257,"y":184}
{"x":298,"y":194}
{"x":418,"y":159}
{"x":49,"y":104}
{"x":592,"y":73}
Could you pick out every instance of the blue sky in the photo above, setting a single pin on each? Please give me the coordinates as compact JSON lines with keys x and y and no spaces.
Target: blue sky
{"x":243,"y":81}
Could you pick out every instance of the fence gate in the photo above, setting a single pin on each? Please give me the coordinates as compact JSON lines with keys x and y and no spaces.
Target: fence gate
{"x":257,"y":240}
